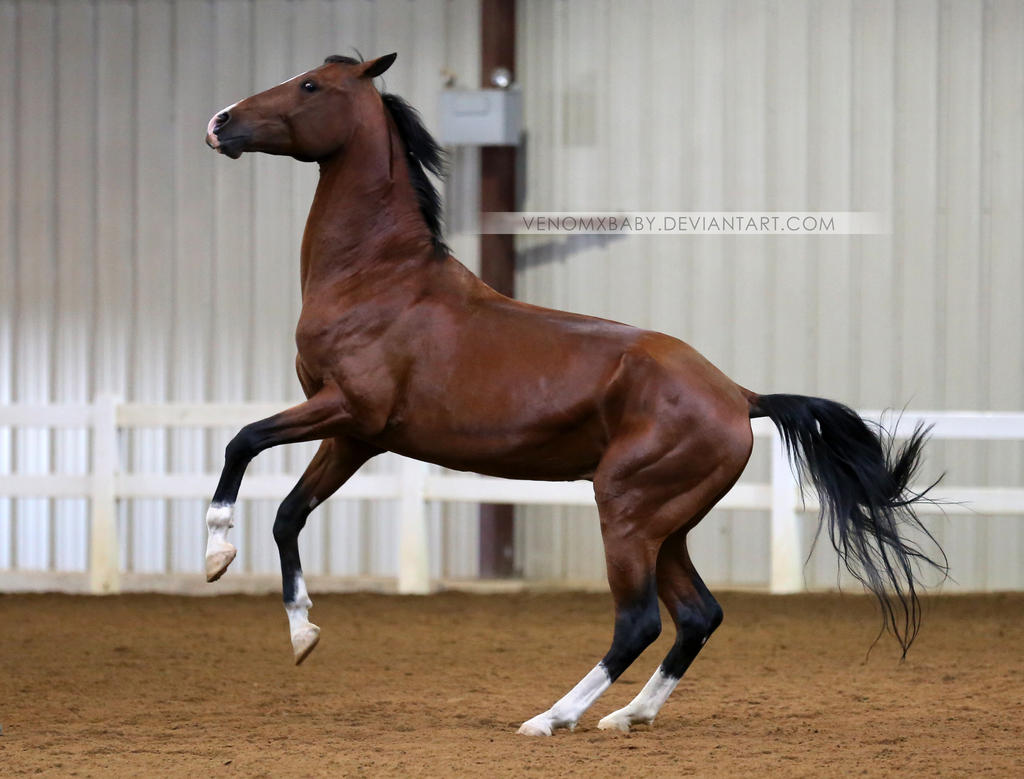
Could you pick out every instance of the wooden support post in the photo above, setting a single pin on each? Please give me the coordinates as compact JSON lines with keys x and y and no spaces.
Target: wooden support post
{"x":497,"y":252}
{"x":413,"y":552}
{"x":786,"y":558}
{"x":104,"y":551}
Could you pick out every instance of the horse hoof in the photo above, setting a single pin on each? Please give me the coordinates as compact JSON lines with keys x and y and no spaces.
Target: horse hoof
{"x":615,"y":721}
{"x":623,"y":720}
{"x":535,"y":727}
{"x":304,"y":642}
{"x":217,"y":562}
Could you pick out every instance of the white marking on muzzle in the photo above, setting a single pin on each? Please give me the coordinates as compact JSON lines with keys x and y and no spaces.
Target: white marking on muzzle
{"x":211,"y":137}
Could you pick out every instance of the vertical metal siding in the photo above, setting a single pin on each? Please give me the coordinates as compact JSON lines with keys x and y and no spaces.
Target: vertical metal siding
{"x":8,"y":273}
{"x":135,"y":261}
{"x":910,"y":108}
{"x":1002,"y":204}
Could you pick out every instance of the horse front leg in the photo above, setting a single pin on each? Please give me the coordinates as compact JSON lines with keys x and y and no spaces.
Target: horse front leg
{"x":322,"y":416}
{"x":335,"y":461}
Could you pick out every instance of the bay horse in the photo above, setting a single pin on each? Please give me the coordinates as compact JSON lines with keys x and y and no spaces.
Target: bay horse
{"x":402,"y":349}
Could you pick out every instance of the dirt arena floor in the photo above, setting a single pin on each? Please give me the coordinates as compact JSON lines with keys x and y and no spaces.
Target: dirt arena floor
{"x":436,"y":686}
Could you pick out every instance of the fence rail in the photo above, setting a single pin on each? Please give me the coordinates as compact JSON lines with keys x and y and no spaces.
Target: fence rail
{"x":413,"y":486}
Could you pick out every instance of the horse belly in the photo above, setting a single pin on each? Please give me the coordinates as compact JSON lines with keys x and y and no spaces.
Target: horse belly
{"x":517,"y":447}
{"x":557,"y":462}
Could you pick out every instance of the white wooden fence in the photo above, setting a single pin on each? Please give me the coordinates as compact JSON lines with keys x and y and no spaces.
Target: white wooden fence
{"x":413,"y":484}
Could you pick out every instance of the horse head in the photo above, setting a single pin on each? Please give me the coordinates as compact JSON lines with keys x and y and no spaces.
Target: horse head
{"x":310,"y":116}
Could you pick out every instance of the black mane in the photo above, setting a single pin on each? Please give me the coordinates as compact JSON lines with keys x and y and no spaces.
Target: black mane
{"x":422,"y":151}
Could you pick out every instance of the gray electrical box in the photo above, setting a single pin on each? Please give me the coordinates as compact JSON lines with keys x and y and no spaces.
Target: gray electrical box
{"x":481,"y":117}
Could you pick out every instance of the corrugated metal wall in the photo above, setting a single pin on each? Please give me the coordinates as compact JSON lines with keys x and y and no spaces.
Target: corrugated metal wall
{"x":136,"y":261}
{"x":910,"y":108}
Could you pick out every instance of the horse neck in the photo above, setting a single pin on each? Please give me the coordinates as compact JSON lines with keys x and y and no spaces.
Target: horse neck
{"x":365,"y":215}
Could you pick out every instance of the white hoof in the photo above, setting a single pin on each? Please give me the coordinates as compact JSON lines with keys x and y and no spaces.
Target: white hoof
{"x":623,"y":720}
{"x":217,"y":562}
{"x":545,"y":725}
{"x":538,"y":726}
{"x":305,"y":641}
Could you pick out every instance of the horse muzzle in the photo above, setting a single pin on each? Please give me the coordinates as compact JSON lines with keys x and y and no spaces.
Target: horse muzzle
{"x":230,"y":147}
{"x":230,"y":142}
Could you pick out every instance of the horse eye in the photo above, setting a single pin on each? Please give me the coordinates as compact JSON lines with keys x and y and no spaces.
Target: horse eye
{"x":309,"y":86}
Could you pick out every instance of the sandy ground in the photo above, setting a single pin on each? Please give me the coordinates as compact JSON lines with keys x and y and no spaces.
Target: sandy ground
{"x":436,"y":686}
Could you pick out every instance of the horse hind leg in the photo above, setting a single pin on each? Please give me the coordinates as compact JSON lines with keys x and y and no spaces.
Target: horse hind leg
{"x":335,"y":461}
{"x":696,"y":615}
{"x":694,"y":611}
{"x":641,"y":504}
{"x":637,"y":624}
{"x":630,"y":498}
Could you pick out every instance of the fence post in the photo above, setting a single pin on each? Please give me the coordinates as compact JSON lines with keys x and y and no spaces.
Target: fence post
{"x":786,"y":559}
{"x":413,"y":556}
{"x":104,"y":568}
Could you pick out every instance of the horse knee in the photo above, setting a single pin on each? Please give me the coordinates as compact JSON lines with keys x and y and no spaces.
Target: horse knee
{"x":290,"y":519}
{"x":244,"y":446}
{"x":282,"y":529}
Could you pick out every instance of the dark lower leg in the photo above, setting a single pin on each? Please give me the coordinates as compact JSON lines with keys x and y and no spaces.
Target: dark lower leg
{"x":696,"y":615}
{"x":637,"y":624}
{"x":318,"y":417}
{"x":333,"y":464}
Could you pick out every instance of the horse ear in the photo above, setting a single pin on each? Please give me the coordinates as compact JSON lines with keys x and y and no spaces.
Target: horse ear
{"x":375,"y":67}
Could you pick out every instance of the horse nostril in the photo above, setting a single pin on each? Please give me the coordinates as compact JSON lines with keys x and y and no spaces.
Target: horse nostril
{"x":220,"y":120}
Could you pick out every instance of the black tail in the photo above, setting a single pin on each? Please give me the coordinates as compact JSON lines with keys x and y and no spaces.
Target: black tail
{"x":863,"y":485}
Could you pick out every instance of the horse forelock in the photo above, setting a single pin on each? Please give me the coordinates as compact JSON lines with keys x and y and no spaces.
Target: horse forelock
{"x":341,"y":59}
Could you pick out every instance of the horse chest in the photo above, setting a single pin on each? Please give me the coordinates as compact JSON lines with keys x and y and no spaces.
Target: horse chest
{"x":355,"y":362}
{"x":325,"y":335}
